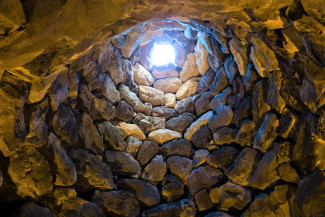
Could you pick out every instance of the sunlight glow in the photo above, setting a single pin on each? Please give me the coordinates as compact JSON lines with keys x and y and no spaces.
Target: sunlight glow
{"x":162,"y":54}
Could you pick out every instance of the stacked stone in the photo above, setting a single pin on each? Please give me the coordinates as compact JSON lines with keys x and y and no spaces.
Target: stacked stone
{"x":219,"y":130}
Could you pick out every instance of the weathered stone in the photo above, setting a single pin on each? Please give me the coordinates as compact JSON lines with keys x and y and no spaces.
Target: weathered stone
{"x":185,"y":105}
{"x":250,"y":77}
{"x":203,"y":200}
{"x":63,"y":194}
{"x":259,"y":101}
{"x":287,"y":173}
{"x":180,"y":147}
{"x":170,"y":100}
{"x":167,"y":72}
{"x":215,"y":60}
{"x":120,"y":203}
{"x":122,"y":163}
{"x":203,"y":177}
{"x":230,"y":68}
{"x":152,"y":95}
{"x":180,"y":167}
{"x":65,"y":172}
{"x":180,"y":55}
{"x":201,"y":58}
{"x":64,"y":125}
{"x":132,"y":40}
{"x":189,"y":69}
{"x":230,"y":196}
{"x":188,"y":88}
{"x":290,"y":89}
{"x":155,"y":171}
{"x":107,"y":88}
{"x":115,"y":69}
{"x":243,"y":111}
{"x":239,"y":52}
{"x":220,"y":82}
{"x":266,"y":134}
{"x":246,"y":133}
{"x":238,"y":92}
{"x":195,"y":126}
{"x":172,"y":189}
{"x":200,"y":157}
{"x":79,"y":207}
{"x":274,"y":98}
{"x":124,"y":111}
{"x":223,"y":157}
{"x":220,"y":99}
{"x":131,"y":98}
{"x":163,"y":111}
{"x":149,"y":123}
{"x":86,"y":97}
{"x":91,"y":172}
{"x":263,"y":57}
{"x":168,"y":85}
{"x":131,"y":130}
{"x":90,"y":136}
{"x":242,"y":169}
{"x":203,"y":103}
{"x":58,"y":92}
{"x":102,"y":109}
{"x":311,"y":190}
{"x":31,"y":173}
{"x":179,"y":37}
{"x":181,"y":122}
{"x":147,"y":151}
{"x":161,"y":136}
{"x":132,"y":145}
{"x":181,"y":208}
{"x":112,"y":136}
{"x":202,"y":137}
{"x":142,"y":76}
{"x":32,"y":209}
{"x":223,"y":118}
{"x":205,"y":81}
{"x":146,"y":193}
{"x":286,"y":123}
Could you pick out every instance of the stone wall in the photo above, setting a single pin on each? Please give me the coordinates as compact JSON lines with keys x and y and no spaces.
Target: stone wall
{"x":235,"y":128}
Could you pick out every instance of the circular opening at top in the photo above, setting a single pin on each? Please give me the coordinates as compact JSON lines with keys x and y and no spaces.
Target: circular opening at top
{"x":162,"y":54}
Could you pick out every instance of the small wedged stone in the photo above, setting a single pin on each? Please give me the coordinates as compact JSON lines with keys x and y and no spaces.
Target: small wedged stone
{"x":223,"y":157}
{"x":161,"y":136}
{"x":172,"y":189}
{"x":146,"y":152}
{"x":179,"y":147}
{"x":203,"y":177}
{"x":112,"y":136}
{"x":79,"y":207}
{"x":152,"y":95}
{"x":132,"y":145}
{"x":223,"y":118}
{"x":200,"y":157}
{"x":145,"y":192}
{"x":188,"y":88}
{"x":189,"y":69}
{"x":63,"y":194}
{"x":202,"y":137}
{"x":168,"y":85}
{"x":230,"y":196}
{"x":142,"y":76}
{"x":180,"y":167}
{"x":195,"y":126}
{"x":184,"y":207}
{"x":202,"y":200}
{"x":120,"y":203}
{"x":131,"y":130}
{"x":185,"y":105}
{"x":155,"y":171}
{"x":122,"y":163}
{"x":181,"y":122}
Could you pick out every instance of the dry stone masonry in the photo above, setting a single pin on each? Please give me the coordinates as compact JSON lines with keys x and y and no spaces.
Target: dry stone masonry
{"x":236,"y":127}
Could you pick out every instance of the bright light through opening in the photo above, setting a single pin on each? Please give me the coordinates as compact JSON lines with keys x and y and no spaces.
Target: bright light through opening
{"x":162,"y":54}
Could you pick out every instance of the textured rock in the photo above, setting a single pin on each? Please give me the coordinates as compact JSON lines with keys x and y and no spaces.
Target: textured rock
{"x":243,"y":111}
{"x":242,"y":169}
{"x":238,"y":92}
{"x":112,"y":136}
{"x":203,"y":103}
{"x":188,"y":88}
{"x":184,"y":105}
{"x":142,"y":76}
{"x":89,"y":134}
{"x":220,"y":99}
{"x":266,"y":134}
{"x":202,"y":137}
{"x":79,"y":207}
{"x":183,"y":207}
{"x":180,"y":166}
{"x":31,"y":173}
{"x":132,"y":40}
{"x":59,"y":90}
{"x":223,"y":118}
{"x":122,"y":163}
{"x":259,"y":101}
{"x":239,"y":52}
{"x":147,"y":151}
{"x":63,"y":194}
{"x":224,"y":135}
{"x":200,"y":157}
{"x":163,"y":111}
{"x":107,"y":88}
{"x":246,"y":133}
{"x":149,"y":123}
{"x":65,"y":171}
{"x":131,"y":98}
{"x":102,"y":109}
{"x":155,"y":171}
{"x":181,"y":122}
{"x":172,"y":189}
{"x":124,"y":111}
{"x":170,"y":100}
{"x":165,"y":72}
{"x":161,"y":136}
{"x":274,"y":99}
{"x":230,"y":68}
{"x":132,"y":145}
{"x":32,"y":209}
{"x":201,"y":58}
{"x":145,"y":192}
{"x":91,"y":172}
{"x":168,"y":85}
{"x":231,"y":195}
{"x":205,"y":81}
{"x":189,"y":69}
{"x":220,"y":82}
{"x":223,"y":157}
{"x":203,"y":200}
{"x":131,"y":130}
{"x":180,"y":147}
{"x":195,"y":126}
{"x":203,"y":177}
{"x":121,"y":203}
{"x":286,"y":123}
{"x":152,"y":95}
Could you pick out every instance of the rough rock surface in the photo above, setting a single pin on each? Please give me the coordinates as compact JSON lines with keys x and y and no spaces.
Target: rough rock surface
{"x":161,"y":136}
